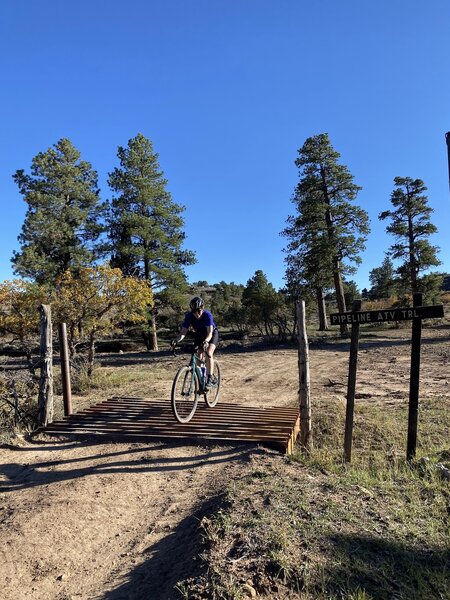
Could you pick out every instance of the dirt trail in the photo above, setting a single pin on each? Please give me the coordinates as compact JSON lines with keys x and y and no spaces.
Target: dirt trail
{"x":92,"y":520}
{"x":83,"y":520}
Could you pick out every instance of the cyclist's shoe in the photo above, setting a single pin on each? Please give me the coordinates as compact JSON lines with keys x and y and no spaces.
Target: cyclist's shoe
{"x":212,"y":382}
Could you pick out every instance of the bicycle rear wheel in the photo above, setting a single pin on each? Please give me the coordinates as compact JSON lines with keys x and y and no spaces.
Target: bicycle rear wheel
{"x":212,"y":395}
{"x":184,"y":395}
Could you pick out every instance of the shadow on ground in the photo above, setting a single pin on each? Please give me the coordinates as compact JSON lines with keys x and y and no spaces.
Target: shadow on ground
{"x":18,"y":476}
{"x":388,"y":570}
{"x":384,"y":570}
{"x":170,"y":561}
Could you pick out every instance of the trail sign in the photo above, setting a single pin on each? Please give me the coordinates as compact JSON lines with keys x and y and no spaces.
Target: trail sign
{"x":385,"y":315}
{"x":415,"y":313}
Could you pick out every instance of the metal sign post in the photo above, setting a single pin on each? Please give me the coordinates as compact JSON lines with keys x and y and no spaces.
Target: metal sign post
{"x":351,"y":385}
{"x":413,"y":409}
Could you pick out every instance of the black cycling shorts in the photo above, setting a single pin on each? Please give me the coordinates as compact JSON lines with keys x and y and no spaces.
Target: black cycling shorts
{"x":214,"y":340}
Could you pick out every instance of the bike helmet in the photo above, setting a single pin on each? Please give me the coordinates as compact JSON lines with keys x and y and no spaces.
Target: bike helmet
{"x":196,"y":303}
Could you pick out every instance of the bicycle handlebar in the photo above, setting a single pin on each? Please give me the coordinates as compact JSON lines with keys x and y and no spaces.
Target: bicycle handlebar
{"x":196,"y":348}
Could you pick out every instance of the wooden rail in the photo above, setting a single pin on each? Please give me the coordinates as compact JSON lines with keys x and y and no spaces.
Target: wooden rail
{"x":146,"y":419}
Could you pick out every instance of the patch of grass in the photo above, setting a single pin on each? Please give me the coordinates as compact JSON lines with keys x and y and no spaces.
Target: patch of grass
{"x":316,"y":528}
{"x":119,"y":380}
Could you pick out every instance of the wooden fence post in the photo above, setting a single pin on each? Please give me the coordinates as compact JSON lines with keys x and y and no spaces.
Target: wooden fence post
{"x":413,"y":409}
{"x":65,"y":369}
{"x":45,"y":399}
{"x":304,"y":384}
{"x":351,"y":384}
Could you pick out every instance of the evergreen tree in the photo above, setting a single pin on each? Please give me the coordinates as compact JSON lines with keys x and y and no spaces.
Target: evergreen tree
{"x":351,"y":291}
{"x":431,"y":285}
{"x":145,"y":231}
{"x":328,"y":232}
{"x":260,"y":300}
{"x":383,"y":280}
{"x":305,"y":276}
{"x":411,"y":226}
{"x":226,"y":302}
{"x":63,"y":220}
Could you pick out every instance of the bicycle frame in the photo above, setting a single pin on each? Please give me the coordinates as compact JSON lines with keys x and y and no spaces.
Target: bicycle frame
{"x":197,"y":363}
{"x":184,"y":399}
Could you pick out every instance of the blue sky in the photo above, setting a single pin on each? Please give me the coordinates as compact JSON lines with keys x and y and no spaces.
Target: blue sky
{"x":228,"y":91}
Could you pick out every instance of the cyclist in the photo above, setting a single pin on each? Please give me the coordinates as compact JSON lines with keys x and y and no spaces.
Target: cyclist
{"x":205,"y":332}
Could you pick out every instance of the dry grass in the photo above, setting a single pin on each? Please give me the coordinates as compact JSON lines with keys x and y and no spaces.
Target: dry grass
{"x":313,"y":528}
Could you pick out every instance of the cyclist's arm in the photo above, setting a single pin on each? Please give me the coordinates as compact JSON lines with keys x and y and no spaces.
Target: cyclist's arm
{"x":181,"y":335}
{"x":209,"y":333}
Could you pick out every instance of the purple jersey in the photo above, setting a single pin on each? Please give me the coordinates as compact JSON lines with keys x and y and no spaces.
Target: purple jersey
{"x":199,"y":325}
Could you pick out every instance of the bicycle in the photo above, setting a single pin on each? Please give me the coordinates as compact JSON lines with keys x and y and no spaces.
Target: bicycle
{"x":189,"y":384}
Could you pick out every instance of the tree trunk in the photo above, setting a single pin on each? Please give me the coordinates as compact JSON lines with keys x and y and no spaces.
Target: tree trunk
{"x":45,"y":399}
{"x":91,"y":353}
{"x":146,"y":337}
{"x":30,"y":362}
{"x":340,"y":298}
{"x":151,"y":342}
{"x":71,"y":341}
{"x":150,"y":336}
{"x":294,"y":328}
{"x":323,"y":321}
{"x":155,"y":346}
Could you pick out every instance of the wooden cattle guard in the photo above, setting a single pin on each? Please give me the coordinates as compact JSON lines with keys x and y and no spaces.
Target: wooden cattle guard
{"x":304,"y":384}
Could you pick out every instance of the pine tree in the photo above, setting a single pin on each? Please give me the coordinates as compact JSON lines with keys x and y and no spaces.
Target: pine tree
{"x":328,"y":232}
{"x":304,"y":269}
{"x":383,"y":280}
{"x":411,"y":226}
{"x":260,"y":300}
{"x":63,"y":220}
{"x":145,"y":231}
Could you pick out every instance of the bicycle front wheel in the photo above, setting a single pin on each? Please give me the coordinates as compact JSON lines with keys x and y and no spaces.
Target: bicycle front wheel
{"x":212,"y":395}
{"x":184,"y":394}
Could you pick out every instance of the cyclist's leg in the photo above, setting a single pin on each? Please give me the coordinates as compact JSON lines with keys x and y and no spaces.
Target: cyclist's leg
{"x":198,"y":342}
{"x":210,"y":358}
{"x":210,"y":354}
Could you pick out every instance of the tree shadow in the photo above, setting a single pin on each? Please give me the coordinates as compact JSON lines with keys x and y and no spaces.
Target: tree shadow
{"x":387,"y":569}
{"x":17,"y":476}
{"x":174,"y":558}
